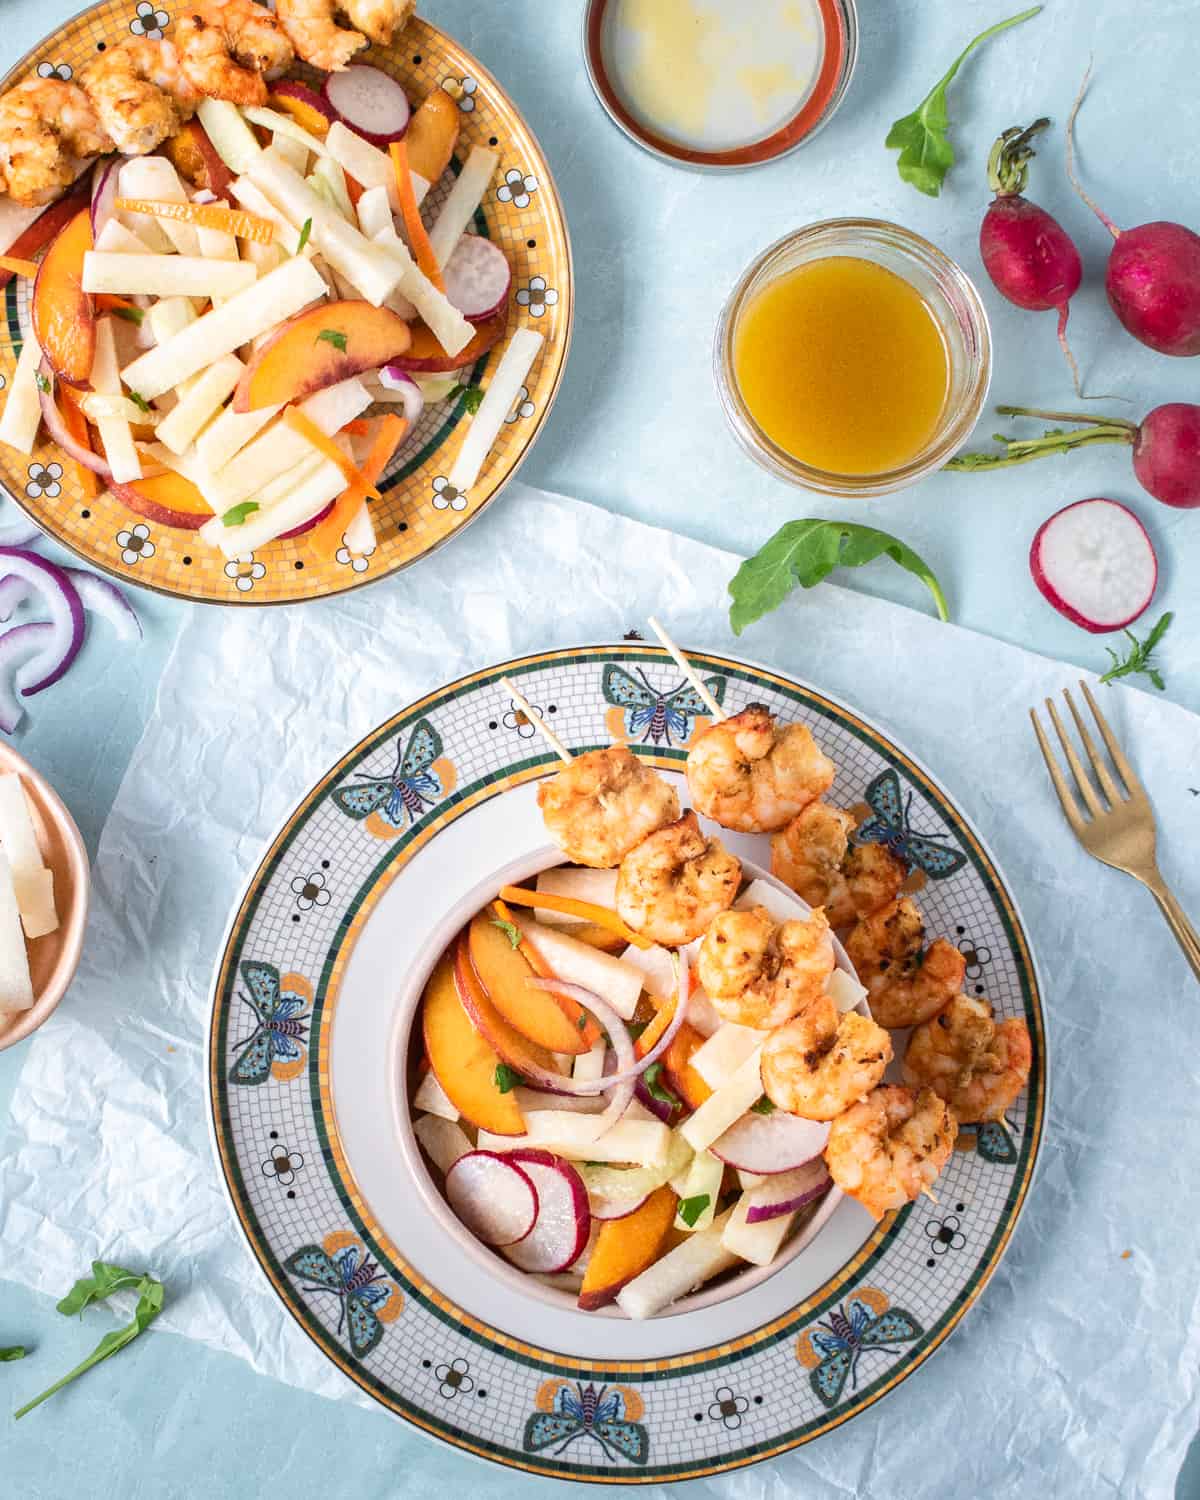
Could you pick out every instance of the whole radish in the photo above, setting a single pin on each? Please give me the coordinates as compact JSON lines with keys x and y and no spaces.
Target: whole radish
{"x":1166,"y":447}
{"x":1030,"y":257}
{"x":1153,"y":276}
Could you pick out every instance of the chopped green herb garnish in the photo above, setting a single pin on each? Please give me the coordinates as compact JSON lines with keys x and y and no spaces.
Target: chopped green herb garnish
{"x":14,"y":1351}
{"x":104,"y":1280}
{"x":690,"y":1209}
{"x":139,"y":401}
{"x":1138,"y":661}
{"x":655,"y":1088}
{"x":762,"y":1106}
{"x":636,"y":1028}
{"x":236,"y":514}
{"x":581,"y":1022}
{"x":510,"y":930}
{"x":470,"y":395}
{"x":332,"y":336}
{"x":130,"y":314}
{"x":305,"y":231}
{"x":507,"y":1078}
{"x":43,"y":382}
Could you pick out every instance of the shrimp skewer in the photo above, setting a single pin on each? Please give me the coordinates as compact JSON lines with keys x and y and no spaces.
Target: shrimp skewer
{"x":975,"y":1065}
{"x":48,"y":129}
{"x":675,"y":882}
{"x":907,"y":982}
{"x":890,"y":1148}
{"x":816,"y":856}
{"x":140,"y":92}
{"x":760,"y":973}
{"x":314,"y":32}
{"x":228,"y":49}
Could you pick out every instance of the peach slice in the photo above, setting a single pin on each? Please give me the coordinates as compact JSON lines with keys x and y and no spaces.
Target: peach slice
{"x":304,"y":105}
{"x":683,"y":1078}
{"x":505,"y":972}
{"x":432,"y":135}
{"x":64,"y":319}
{"x":195,"y":157}
{"x":425,"y":355}
{"x":625,"y":1247}
{"x":318,"y":348}
{"x":47,"y":224}
{"x":461,"y":1059}
{"x":167,"y":499}
{"x":504,"y":1039}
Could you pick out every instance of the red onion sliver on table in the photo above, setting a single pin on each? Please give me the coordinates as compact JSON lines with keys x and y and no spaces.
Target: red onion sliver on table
{"x":99,"y":597}
{"x":17,"y":646}
{"x":67,"y":619}
{"x":13,"y":593}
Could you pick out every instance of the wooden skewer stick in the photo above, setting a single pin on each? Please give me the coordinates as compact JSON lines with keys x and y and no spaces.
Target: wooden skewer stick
{"x":536,"y":720}
{"x":689,"y":672}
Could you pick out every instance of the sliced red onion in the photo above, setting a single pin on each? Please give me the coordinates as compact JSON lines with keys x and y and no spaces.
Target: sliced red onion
{"x":657,"y":1107}
{"x":67,"y":621}
{"x":105,"y":192}
{"x":17,"y":646}
{"x":204,"y":195}
{"x":287,"y":536}
{"x":61,"y":433}
{"x":393,"y":378}
{"x":13,"y":593}
{"x":104,"y":599}
{"x":21,"y":533}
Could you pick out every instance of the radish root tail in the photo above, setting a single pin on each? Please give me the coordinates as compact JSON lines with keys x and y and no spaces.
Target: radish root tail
{"x":1064,"y":313}
{"x":1073,"y":177}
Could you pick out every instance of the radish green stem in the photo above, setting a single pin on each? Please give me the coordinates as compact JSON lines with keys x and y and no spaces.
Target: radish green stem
{"x":1072,"y":175}
{"x":1065,"y":416}
{"x":1018,"y":451}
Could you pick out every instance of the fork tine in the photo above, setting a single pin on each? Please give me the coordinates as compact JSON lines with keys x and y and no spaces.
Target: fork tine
{"x":1127,"y":774}
{"x":1069,"y":805}
{"x":1086,"y":790}
{"x":1101,"y":772}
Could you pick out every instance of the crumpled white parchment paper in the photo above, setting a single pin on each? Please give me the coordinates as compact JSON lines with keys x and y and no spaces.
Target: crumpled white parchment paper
{"x":1076,"y":1374}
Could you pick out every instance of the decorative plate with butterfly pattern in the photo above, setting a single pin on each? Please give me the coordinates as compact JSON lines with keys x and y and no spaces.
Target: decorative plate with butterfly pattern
{"x":357,"y":892}
{"x":419,"y":510}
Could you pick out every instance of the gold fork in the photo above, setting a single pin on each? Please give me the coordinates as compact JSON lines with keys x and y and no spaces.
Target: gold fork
{"x":1121,"y":833}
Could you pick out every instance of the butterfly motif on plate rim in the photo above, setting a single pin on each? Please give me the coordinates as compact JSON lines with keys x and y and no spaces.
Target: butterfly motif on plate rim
{"x":641,"y":710}
{"x":340,"y":1267}
{"x":993,"y":1142}
{"x":831,"y":1349}
{"x":888,"y":824}
{"x":568,"y":1411}
{"x":275,"y":1048}
{"x":386,"y":805}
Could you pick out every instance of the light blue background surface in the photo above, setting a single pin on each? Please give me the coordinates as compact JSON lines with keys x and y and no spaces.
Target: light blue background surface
{"x":637,"y":428}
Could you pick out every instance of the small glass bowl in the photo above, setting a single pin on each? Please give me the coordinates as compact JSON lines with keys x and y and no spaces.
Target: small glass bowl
{"x":954,"y":303}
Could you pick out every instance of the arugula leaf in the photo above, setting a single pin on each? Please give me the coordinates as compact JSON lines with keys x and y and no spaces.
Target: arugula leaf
{"x":305,"y":231}
{"x":763,"y":1106}
{"x":510,"y":930}
{"x":656,"y":1089}
{"x":506,"y":1078}
{"x":690,"y":1209}
{"x":332,"y":336}
{"x":470,"y":395}
{"x":43,"y":382}
{"x":105,"y":1280}
{"x":14,"y":1351}
{"x":236,"y":514}
{"x":926,"y":154}
{"x":1138,"y":661}
{"x":130,"y":314}
{"x":805,"y":552}
{"x":139,"y":401}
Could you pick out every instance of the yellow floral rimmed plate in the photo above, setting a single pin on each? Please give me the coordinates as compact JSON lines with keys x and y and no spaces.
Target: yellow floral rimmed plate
{"x":419,"y":510}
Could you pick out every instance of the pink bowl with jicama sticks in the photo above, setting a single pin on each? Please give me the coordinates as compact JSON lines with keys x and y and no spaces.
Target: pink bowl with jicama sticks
{"x":54,"y":958}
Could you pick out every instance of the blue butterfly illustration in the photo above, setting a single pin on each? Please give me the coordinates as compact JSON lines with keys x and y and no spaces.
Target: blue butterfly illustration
{"x":410,"y":788}
{"x":279,"y":1033}
{"x":994,"y":1144}
{"x":842,"y":1340}
{"x":587,"y":1412}
{"x":353,"y":1277}
{"x":655,"y":715}
{"x":888,"y":824}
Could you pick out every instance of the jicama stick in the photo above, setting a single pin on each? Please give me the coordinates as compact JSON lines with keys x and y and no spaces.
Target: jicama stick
{"x":301,"y":503}
{"x":29,"y":873}
{"x":277,"y":124}
{"x":444,"y":320}
{"x":202,"y":401}
{"x":222,"y":440}
{"x":16,"y":987}
{"x":414,"y":229}
{"x":689,"y":672}
{"x":165,"y":275}
{"x":370,"y":166}
{"x":118,"y":239}
{"x":279,"y":448}
{"x":302,"y":424}
{"x":229,"y":133}
{"x":535,"y":718}
{"x":502,"y":392}
{"x":246,"y":226}
{"x":22,"y":408}
{"x":392,"y":430}
{"x":154,"y":177}
{"x":115,"y":434}
{"x":463,"y":199}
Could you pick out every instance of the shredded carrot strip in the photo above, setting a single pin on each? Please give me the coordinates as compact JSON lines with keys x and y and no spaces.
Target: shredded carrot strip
{"x":76,"y":424}
{"x":328,"y":532}
{"x":358,"y":427}
{"x":110,"y":302}
{"x":517,"y":895}
{"x":355,"y":189}
{"x":18,"y":266}
{"x":207,"y":216}
{"x":655,"y":1029}
{"x":418,"y":240}
{"x":582,"y":1020}
{"x":311,"y":433}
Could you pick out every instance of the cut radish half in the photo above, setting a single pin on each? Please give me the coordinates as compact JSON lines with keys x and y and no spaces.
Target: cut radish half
{"x":767,"y":1144}
{"x":477,"y":277}
{"x":1095,"y":563}
{"x":788,"y":1191}
{"x":564,"y":1220}
{"x":368,"y":101}
{"x":493,"y":1197}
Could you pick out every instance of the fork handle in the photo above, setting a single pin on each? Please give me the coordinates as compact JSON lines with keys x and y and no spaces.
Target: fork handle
{"x":1185,"y":933}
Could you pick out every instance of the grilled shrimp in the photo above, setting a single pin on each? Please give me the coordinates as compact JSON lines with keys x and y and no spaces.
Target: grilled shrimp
{"x":604,"y":804}
{"x":975,"y":1065}
{"x":140,"y":93}
{"x":318,"y":38}
{"x":814,"y":855}
{"x":672,"y":886}
{"x":907,"y":982}
{"x":822,"y":1063}
{"x":230,"y":48}
{"x":891,"y":1147}
{"x":760,"y":974}
{"x":750,"y":774}
{"x":47,"y":127}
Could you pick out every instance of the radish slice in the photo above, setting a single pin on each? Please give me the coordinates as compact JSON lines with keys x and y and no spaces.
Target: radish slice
{"x":99,"y":597}
{"x":287,"y":536}
{"x":478,"y":277}
{"x":1095,"y":563}
{"x":67,"y":619}
{"x":493,"y":1197}
{"x":368,"y":101}
{"x":17,"y":646}
{"x":564,"y":1220}
{"x":767,"y":1144}
{"x":788,"y":1191}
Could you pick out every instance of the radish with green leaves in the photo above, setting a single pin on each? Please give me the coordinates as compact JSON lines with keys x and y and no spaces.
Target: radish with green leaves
{"x":1030,"y":257}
